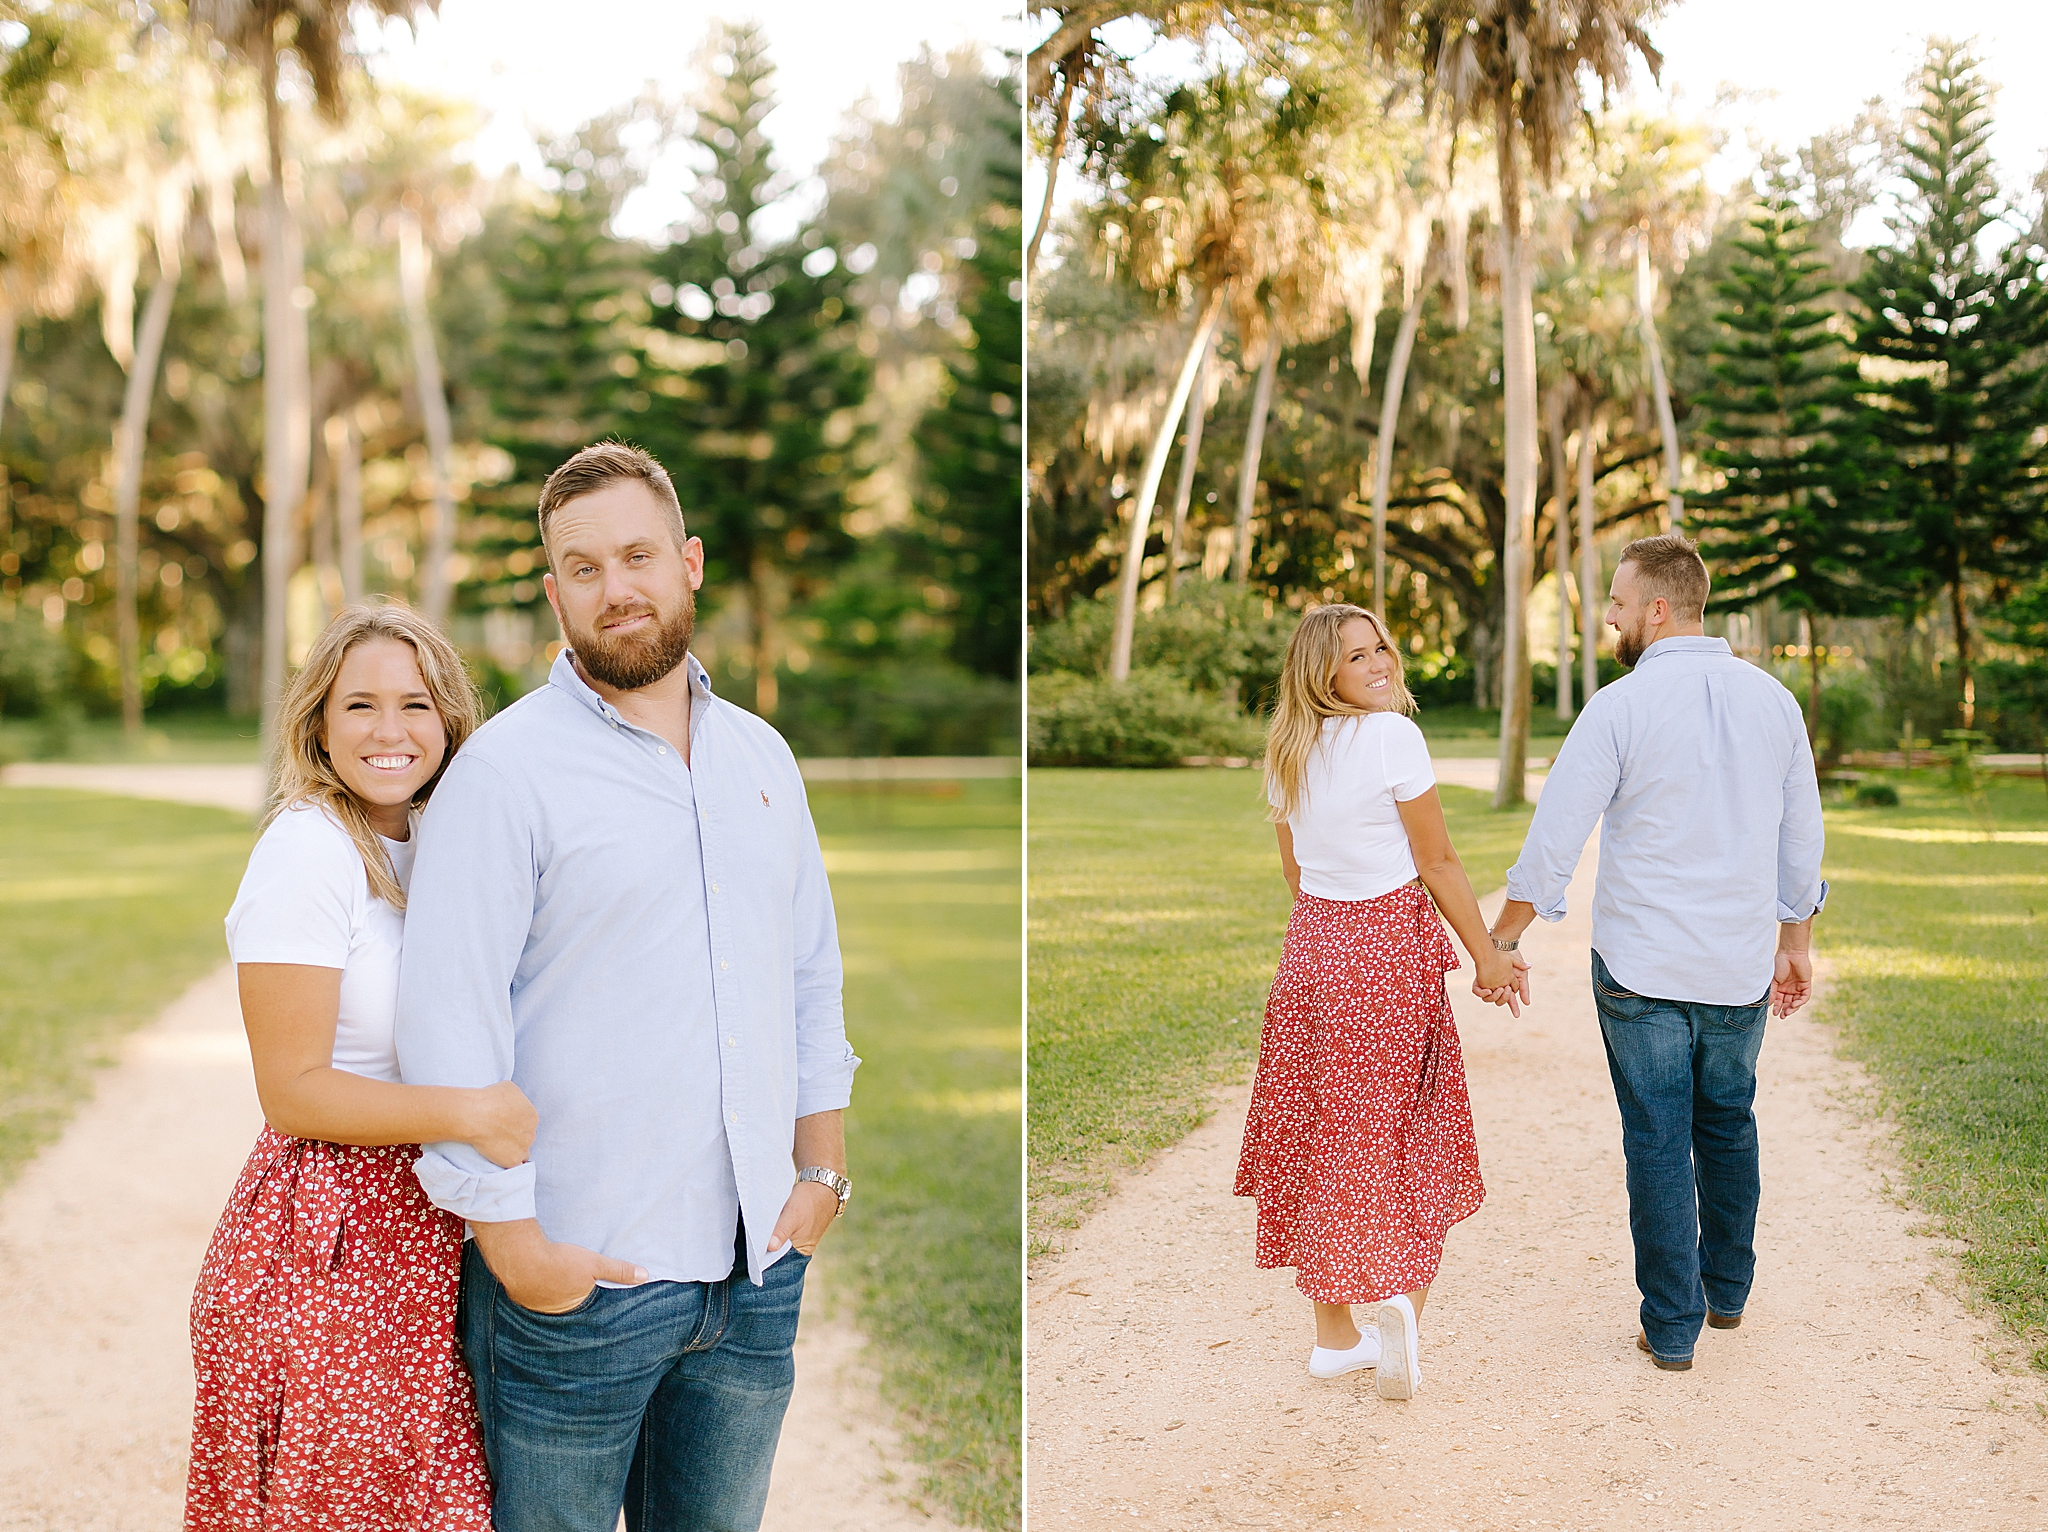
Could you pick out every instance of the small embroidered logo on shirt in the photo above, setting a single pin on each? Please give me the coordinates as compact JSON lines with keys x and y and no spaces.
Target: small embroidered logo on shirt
{"x":764,"y":800}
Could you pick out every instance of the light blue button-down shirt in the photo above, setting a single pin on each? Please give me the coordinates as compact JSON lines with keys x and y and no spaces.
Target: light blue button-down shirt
{"x":1698,"y":762}
{"x":648,"y":949}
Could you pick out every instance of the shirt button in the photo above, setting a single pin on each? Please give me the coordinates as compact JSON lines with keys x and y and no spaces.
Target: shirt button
{"x":732,"y":1117}
{"x":732,"y":1042}
{"x":661,"y":750}
{"x":714,"y":888}
{"x":722,"y":963}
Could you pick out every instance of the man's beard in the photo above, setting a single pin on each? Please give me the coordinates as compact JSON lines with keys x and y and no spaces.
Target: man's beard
{"x":1628,"y":645}
{"x":640,"y":658}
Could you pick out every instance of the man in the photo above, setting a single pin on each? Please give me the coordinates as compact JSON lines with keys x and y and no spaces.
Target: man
{"x":618,"y":902}
{"x":1699,"y":765}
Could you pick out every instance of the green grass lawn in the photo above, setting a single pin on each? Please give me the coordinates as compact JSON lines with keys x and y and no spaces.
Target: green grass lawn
{"x":108,"y":908}
{"x":1157,"y":911}
{"x":927,"y":888}
{"x":1939,"y":940}
{"x":169,"y":738}
{"x":1470,"y":731}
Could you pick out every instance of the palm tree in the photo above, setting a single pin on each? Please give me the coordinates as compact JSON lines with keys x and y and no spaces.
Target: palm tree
{"x":1519,"y":62}
{"x":261,"y":32}
{"x":1230,"y":198}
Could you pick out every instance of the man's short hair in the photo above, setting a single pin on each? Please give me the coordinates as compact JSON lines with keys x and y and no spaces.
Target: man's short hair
{"x":1670,"y":566}
{"x":606,"y":463}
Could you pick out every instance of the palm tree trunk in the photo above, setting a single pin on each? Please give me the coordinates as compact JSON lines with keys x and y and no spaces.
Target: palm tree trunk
{"x":1660,"y":391}
{"x":1190,"y":454}
{"x":285,"y":430}
{"x":1148,"y":491}
{"x":9,"y":326}
{"x":1254,"y":448}
{"x":345,"y":449}
{"x":1071,"y":70}
{"x":129,"y":436}
{"x":1959,"y":611}
{"x":761,"y":622}
{"x":1561,"y":503}
{"x":1383,"y":448}
{"x":435,"y":577}
{"x":1518,"y":385}
{"x":1589,"y":563}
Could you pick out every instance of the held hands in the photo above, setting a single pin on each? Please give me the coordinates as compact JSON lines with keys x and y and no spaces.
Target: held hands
{"x":1791,"y":982}
{"x":805,"y":1217}
{"x":503,"y":1124}
{"x":1502,"y":979}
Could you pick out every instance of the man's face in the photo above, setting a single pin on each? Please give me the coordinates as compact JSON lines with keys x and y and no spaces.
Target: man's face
{"x":621,"y":588}
{"x":1632,"y":616}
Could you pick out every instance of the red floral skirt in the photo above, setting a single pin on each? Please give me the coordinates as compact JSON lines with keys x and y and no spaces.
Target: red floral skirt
{"x":331,"y":1395}
{"x":1359,"y":1144}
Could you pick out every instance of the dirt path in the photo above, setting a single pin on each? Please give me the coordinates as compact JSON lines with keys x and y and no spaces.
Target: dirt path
{"x":100,"y":1241}
{"x":1168,"y":1383}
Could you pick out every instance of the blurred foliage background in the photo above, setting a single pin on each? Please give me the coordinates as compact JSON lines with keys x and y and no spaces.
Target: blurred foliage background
{"x":840,"y":407}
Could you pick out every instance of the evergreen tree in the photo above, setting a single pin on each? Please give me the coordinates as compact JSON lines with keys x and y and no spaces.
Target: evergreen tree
{"x":972,"y":441}
{"x":559,"y":373}
{"x":1959,"y":387}
{"x":1787,"y":520}
{"x":755,"y":369}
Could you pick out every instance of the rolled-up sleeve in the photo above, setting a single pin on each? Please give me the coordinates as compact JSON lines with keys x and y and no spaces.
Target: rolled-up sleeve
{"x":1577,"y":792}
{"x":824,"y":1062}
{"x":468,"y":911}
{"x":1801,"y":839}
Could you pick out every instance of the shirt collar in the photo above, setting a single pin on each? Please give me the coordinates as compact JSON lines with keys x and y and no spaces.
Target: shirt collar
{"x":1685,"y":643}
{"x":566,"y":677}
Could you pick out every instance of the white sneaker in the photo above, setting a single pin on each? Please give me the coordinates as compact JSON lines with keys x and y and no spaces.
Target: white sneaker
{"x":1325,"y":1363}
{"x":1400,"y":1368}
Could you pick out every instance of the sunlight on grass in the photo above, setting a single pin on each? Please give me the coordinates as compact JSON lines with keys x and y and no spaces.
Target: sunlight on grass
{"x":94,"y":951}
{"x":928,"y":894}
{"x":1942,"y":996}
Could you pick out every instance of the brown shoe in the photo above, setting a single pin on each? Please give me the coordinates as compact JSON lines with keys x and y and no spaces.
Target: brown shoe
{"x":1723,"y":1321}
{"x":1643,"y":1345}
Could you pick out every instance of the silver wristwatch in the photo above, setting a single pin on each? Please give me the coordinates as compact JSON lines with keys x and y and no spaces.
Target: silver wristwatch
{"x":1501,"y":946}
{"x":832,"y":1180}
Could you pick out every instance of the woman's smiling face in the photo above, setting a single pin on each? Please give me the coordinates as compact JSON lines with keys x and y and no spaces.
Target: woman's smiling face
{"x":382,"y":730}
{"x":1365,"y":667}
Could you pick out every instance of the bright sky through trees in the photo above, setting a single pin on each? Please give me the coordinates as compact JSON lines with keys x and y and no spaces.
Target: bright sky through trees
{"x":1800,"y":69}
{"x":539,"y":65}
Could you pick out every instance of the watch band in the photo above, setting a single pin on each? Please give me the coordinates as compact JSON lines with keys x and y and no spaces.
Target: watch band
{"x":832,"y":1181}
{"x":1501,"y":946}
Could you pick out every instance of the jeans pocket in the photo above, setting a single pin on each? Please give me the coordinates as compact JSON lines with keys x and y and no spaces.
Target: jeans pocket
{"x":589,"y":1299}
{"x":1737,"y":1018}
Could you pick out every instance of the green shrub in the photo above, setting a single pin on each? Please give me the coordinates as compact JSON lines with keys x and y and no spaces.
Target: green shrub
{"x":1213,"y":635}
{"x":1877,"y":795}
{"x":1153,"y":719}
{"x":37,"y":667}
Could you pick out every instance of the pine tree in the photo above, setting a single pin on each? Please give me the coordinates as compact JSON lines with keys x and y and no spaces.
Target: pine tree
{"x":1788,"y":520}
{"x":972,"y":439}
{"x":559,"y":369}
{"x":1958,"y":387}
{"x":755,"y":369}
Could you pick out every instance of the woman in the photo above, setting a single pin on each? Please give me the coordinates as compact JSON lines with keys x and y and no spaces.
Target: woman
{"x":1359,"y":1143}
{"x":331,"y":1396}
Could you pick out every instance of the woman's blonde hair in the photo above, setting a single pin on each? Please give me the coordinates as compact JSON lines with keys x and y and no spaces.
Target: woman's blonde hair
{"x":306,"y":774}
{"x":1308,"y":695}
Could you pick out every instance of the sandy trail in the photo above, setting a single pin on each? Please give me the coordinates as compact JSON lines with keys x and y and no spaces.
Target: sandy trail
{"x":100,"y":1242}
{"x":1168,"y":1382}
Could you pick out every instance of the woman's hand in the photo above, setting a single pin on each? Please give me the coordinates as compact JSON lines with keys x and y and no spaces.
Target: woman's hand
{"x":1503,"y":979}
{"x":503,"y":1124}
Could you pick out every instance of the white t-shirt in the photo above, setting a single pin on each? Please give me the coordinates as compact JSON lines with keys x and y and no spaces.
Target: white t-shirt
{"x":306,"y":898}
{"x":1348,"y":835}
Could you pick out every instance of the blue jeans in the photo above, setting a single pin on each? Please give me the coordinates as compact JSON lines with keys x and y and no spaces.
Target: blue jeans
{"x":1685,"y":1078}
{"x":666,"y":1399}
